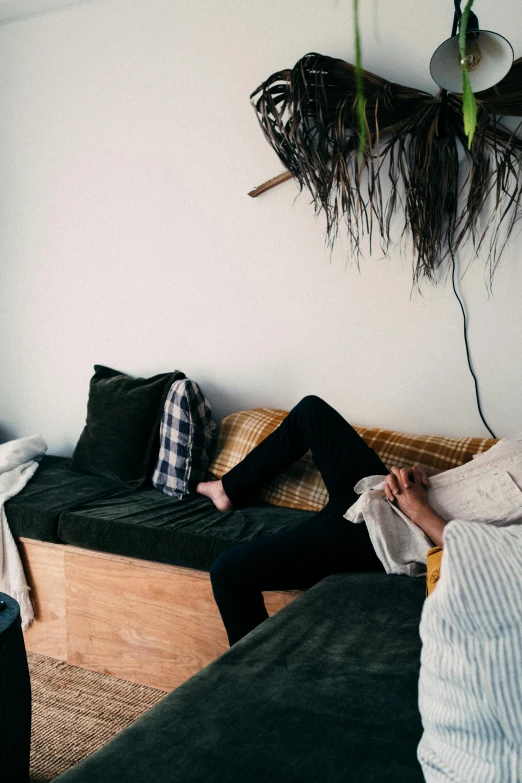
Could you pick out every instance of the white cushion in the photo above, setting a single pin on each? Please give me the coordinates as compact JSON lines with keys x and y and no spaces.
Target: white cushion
{"x":470,"y":688}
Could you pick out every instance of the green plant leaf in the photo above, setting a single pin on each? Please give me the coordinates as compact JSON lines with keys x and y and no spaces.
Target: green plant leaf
{"x":469,"y":108}
{"x":359,"y":84}
{"x":469,"y":104}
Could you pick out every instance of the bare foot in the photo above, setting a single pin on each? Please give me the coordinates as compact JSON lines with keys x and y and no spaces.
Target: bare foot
{"x":214,"y":490}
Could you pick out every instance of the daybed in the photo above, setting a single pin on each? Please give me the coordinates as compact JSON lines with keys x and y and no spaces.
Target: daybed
{"x":328,"y":689}
{"x":119,"y":575}
{"x":324,"y":690}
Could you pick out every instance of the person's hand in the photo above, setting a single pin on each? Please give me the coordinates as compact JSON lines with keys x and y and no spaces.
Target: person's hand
{"x":402,"y":478}
{"x":406,"y":488}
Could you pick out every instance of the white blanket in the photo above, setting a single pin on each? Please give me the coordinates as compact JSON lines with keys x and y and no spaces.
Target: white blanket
{"x":18,"y":462}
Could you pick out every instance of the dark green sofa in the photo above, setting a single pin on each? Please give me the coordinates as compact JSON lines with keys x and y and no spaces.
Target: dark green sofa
{"x":64,"y":505}
{"x":326,"y":690}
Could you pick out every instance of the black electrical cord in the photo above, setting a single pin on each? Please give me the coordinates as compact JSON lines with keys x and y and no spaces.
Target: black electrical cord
{"x":474,"y":24}
{"x":467,"y":346}
{"x":456,"y":18}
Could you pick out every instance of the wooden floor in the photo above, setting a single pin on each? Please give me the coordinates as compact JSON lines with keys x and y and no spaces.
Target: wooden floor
{"x":146,"y":622}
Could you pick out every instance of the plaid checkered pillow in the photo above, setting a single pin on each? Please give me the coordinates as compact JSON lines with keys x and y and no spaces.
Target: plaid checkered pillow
{"x":186,"y":440}
{"x":301,"y":486}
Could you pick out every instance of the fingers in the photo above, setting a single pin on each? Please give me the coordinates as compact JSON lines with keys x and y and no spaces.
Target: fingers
{"x":422,"y":475}
{"x":404,"y":478}
{"x":393,"y":483}
{"x":390,"y":487}
{"x":407,"y":477}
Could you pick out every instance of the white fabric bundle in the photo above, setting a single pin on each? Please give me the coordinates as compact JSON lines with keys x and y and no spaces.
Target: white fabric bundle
{"x":18,"y":463}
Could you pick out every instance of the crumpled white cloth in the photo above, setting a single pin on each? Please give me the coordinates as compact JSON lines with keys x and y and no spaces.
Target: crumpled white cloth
{"x":399,"y":544}
{"x":486,"y":490}
{"x":18,"y":463}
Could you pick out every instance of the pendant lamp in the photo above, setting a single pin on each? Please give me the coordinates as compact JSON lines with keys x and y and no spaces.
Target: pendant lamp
{"x":489,"y":57}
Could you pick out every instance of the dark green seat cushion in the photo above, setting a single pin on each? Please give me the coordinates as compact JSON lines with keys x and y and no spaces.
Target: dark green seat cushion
{"x":120,"y":439}
{"x":325,"y":690}
{"x":152,"y":526}
{"x":55,"y":487}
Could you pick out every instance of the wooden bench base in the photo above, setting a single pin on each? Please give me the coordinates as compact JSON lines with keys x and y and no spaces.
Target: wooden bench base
{"x":150,"y":623}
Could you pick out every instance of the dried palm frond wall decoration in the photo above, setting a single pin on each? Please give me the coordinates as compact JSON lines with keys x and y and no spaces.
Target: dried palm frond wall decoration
{"x":447,"y":193}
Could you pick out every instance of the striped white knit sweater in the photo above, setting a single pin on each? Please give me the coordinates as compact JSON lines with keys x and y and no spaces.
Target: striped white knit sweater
{"x":470,"y":689}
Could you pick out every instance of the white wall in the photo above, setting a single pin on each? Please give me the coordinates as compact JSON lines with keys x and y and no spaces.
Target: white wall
{"x":127,"y":148}
{"x":19,"y":9}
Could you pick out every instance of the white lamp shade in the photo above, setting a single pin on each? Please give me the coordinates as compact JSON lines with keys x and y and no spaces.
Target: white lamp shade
{"x":496,"y":58}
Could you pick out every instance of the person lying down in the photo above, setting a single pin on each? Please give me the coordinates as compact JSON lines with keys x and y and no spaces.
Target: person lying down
{"x":375,"y":519}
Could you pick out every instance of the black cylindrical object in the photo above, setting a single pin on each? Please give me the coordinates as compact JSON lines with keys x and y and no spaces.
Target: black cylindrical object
{"x":15,"y":696}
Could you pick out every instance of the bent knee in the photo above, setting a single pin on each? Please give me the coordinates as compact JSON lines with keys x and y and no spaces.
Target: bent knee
{"x":312,"y":402}
{"x":230,"y":566}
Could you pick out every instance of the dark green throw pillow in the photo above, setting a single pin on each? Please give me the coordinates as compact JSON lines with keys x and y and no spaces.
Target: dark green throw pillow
{"x":120,"y":439}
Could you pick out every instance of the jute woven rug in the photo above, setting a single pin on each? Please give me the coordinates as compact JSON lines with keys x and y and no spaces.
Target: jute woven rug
{"x":76,"y":711}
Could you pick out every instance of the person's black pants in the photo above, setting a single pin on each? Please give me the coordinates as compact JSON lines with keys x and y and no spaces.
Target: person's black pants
{"x":303,"y":554}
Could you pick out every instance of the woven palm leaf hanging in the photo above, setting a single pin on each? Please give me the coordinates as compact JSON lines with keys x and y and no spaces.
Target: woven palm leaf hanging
{"x":416,"y":162}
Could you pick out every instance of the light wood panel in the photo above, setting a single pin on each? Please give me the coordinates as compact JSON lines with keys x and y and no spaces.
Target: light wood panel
{"x":45,"y":572}
{"x":276,"y":601}
{"x":146,"y":622}
{"x":148,"y":625}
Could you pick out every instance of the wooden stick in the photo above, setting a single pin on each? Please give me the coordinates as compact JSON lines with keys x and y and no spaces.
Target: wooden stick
{"x":271,"y":183}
